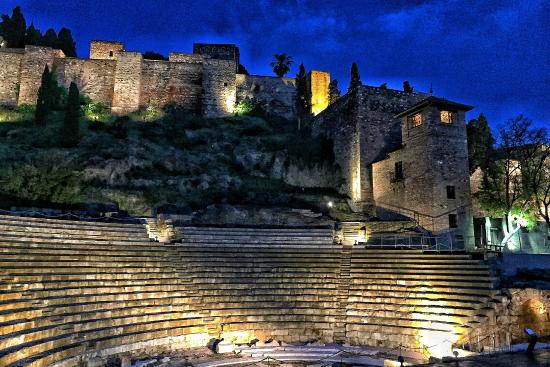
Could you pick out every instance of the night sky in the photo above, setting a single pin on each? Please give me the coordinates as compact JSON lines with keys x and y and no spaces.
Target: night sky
{"x":494,"y":55}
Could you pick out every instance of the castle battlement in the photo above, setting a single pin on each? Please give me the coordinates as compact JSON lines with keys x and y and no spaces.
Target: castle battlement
{"x":205,"y":81}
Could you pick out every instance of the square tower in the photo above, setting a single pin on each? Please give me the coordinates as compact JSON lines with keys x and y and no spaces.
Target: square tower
{"x":219,"y":51}
{"x":318,"y":82}
{"x":105,"y":50}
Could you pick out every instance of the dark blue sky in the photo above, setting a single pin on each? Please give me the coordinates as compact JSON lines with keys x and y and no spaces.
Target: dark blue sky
{"x":494,"y":55}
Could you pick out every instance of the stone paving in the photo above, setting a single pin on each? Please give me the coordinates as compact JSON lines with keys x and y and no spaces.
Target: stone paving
{"x":541,"y":358}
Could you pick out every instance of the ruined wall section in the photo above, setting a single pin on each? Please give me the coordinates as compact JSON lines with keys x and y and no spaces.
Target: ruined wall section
{"x":33,"y":63}
{"x":10,"y":62}
{"x":274,"y":95}
{"x":165,"y":83}
{"x":94,"y":78}
{"x":219,"y":88}
{"x":228,"y":52}
{"x":127,"y":83}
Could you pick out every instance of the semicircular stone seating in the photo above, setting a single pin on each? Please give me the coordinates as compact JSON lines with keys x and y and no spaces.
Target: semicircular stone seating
{"x":74,"y":290}
{"x":71,"y":288}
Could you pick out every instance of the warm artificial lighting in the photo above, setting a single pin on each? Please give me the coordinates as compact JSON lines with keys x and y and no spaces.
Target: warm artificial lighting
{"x":438,"y":343}
{"x":319,"y":91}
{"x":330,"y":204}
{"x":356,"y":181}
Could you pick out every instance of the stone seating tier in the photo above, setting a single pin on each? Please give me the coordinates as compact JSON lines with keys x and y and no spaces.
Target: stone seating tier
{"x":72,"y":290}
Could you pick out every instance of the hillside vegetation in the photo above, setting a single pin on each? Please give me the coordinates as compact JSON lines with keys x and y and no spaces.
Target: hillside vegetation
{"x":154,"y":158}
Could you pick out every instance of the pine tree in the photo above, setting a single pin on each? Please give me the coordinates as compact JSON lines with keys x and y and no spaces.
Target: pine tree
{"x":355,"y":80}
{"x":69,"y":136}
{"x":303,"y":102}
{"x":407,"y":87}
{"x":43,"y":103}
{"x":333,"y":91}
{"x":33,"y":37}
{"x":49,"y":38}
{"x":66,"y":43}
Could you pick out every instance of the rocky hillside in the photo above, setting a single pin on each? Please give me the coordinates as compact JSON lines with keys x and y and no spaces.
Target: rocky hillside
{"x":173,"y":159}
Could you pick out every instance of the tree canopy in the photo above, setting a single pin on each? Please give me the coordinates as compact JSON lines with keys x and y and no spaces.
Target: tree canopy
{"x":16,"y":34}
{"x":281,"y":64}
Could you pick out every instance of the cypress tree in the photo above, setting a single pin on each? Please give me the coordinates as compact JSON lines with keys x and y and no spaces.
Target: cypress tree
{"x":50,"y":38}
{"x":481,"y":143}
{"x":66,"y":43}
{"x":33,"y":37}
{"x":43,"y":103}
{"x":333,"y":91}
{"x":355,"y":80}
{"x":407,"y":87}
{"x":303,"y":102}
{"x":70,"y":130}
{"x":18,"y":28}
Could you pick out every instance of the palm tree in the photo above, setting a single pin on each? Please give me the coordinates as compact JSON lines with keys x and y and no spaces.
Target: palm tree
{"x":281,"y":65}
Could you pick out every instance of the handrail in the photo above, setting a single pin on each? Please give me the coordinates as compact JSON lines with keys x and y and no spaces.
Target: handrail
{"x":419,"y":242}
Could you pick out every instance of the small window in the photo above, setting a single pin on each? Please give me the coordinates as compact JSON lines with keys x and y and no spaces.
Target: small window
{"x":453,"y":223}
{"x":110,"y":53}
{"x":398,"y":174}
{"x":415,"y":120}
{"x":447,"y":117}
{"x":451,"y":192}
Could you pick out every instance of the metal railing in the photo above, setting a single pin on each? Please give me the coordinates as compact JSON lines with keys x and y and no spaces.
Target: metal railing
{"x":447,"y":242}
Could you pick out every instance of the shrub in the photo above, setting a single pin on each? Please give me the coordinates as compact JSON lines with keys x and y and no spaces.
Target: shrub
{"x":96,"y":112}
{"x":147,"y":115}
{"x":244,"y":108}
{"x":119,"y":128}
{"x":26,"y":109}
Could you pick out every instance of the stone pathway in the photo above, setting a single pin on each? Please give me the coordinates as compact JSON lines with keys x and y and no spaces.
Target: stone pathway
{"x":541,"y":358}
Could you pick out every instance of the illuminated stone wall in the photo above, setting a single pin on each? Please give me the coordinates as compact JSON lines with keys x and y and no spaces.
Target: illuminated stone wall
{"x":94,"y":78}
{"x":166,"y":83}
{"x":228,"y":52}
{"x":274,"y":95}
{"x":219,"y":86}
{"x":364,"y":129}
{"x":34,"y":61}
{"x":433,"y":156}
{"x":127,"y":87}
{"x":105,"y":50}
{"x":10,"y":66}
{"x":318,"y":82}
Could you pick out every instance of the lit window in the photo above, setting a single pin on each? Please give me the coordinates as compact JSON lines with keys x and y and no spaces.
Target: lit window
{"x":453,"y":222}
{"x":451,"y":192}
{"x":415,"y":120}
{"x":447,"y":117}
{"x":398,"y":171}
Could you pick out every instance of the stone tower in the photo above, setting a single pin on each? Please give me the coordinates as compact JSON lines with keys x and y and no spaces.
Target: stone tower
{"x":318,"y":82}
{"x":429,"y":174}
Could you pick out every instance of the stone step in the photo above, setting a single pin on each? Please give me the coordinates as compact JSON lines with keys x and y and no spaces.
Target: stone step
{"x":77,"y":263}
{"x":80,"y":277}
{"x":20,"y":230}
{"x":141,"y":248}
{"x":71,"y":223}
{"x":19,"y":251}
{"x":65,"y":240}
{"x":102,"y":338}
{"x":87,"y":283}
{"x":229,"y":230}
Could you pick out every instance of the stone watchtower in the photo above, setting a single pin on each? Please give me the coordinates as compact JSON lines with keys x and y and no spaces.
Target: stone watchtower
{"x":430,"y":173}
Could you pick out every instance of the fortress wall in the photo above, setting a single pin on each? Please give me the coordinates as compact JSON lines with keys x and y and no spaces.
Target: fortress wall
{"x":219,"y":86}
{"x":33,"y":63}
{"x":127,"y":85}
{"x":318,"y":84}
{"x":164,"y":83}
{"x":185,"y":57}
{"x":10,"y":61}
{"x":339,"y":122}
{"x":94,"y":78}
{"x":274,"y":95}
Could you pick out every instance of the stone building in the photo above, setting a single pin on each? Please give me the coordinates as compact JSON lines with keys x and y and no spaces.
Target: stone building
{"x":205,"y":81}
{"x":403,"y":153}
